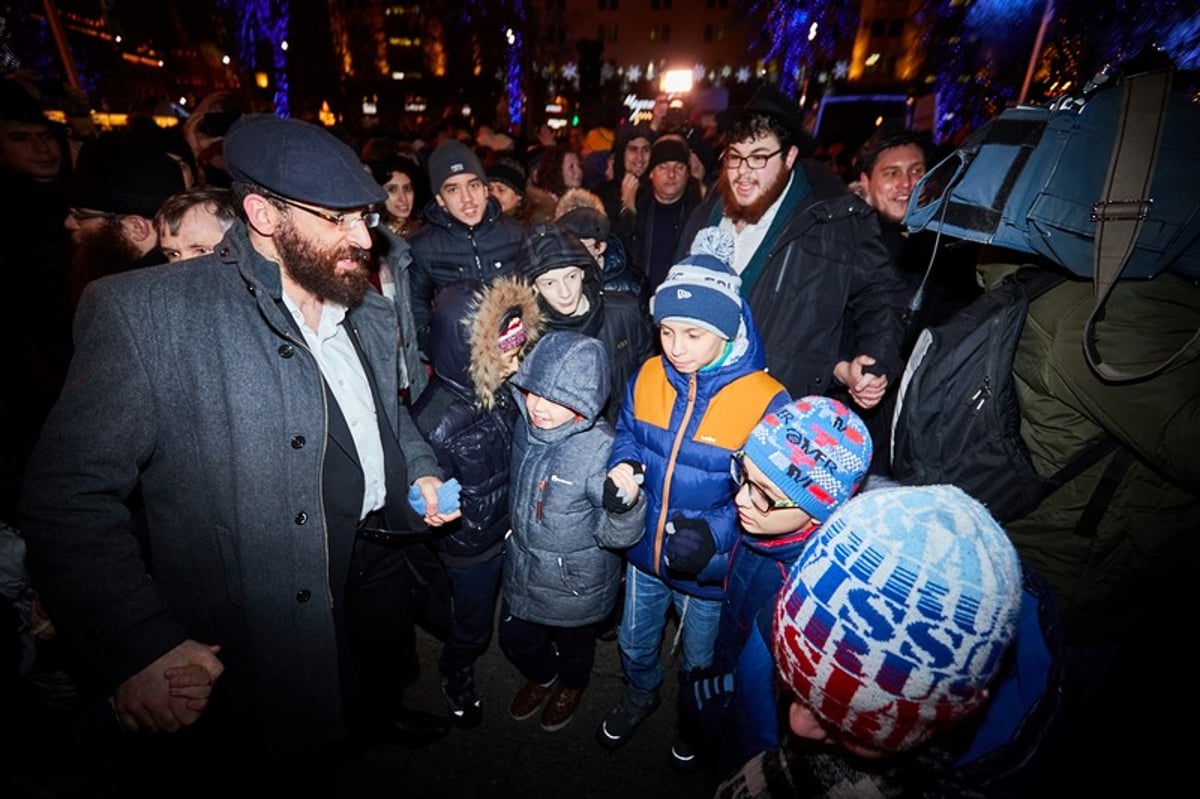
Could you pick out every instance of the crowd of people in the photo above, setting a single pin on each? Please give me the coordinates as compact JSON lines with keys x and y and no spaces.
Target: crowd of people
{"x":282,"y":397}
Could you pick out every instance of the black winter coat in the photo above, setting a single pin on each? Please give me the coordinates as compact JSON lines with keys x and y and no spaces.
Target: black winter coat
{"x":827,"y":268}
{"x":447,"y":251}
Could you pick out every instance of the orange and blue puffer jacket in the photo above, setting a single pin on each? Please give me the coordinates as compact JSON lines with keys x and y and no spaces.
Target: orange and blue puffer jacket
{"x":683,"y":429}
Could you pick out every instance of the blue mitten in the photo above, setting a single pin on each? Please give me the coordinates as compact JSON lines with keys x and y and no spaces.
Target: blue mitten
{"x":690,"y":546}
{"x":447,"y":497}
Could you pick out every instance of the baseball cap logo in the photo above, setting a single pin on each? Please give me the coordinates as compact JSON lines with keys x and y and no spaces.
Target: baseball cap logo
{"x":682,"y":294}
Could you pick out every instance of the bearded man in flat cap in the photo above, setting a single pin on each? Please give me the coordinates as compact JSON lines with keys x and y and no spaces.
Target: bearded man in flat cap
{"x":249,"y":398}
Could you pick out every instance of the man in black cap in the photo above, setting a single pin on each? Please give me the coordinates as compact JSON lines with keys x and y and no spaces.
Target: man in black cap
{"x":809,"y":254}
{"x":654,"y":213}
{"x":250,"y":397}
{"x":466,"y":235}
{"x":119,"y":186}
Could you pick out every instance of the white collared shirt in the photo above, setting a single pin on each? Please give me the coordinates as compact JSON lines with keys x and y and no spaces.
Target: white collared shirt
{"x":746,"y":243}
{"x":344,"y":373}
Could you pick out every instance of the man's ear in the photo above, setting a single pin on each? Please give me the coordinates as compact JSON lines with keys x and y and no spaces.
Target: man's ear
{"x":261,"y":215}
{"x":792,"y":154}
{"x":602,"y":247}
{"x":440,"y":201}
{"x":804,"y":724}
{"x":140,"y":230}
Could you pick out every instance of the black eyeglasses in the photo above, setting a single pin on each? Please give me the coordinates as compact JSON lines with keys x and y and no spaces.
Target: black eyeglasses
{"x":82,"y":215}
{"x":732,"y":161}
{"x":344,"y":222}
{"x":758,"y":496}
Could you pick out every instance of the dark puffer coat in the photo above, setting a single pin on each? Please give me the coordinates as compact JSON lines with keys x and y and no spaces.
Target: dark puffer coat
{"x":464,"y":415}
{"x":447,"y":251}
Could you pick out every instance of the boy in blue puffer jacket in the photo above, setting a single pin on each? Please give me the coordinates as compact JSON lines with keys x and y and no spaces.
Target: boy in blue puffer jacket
{"x":561,"y":573}
{"x":478,"y":335}
{"x":684,"y":414}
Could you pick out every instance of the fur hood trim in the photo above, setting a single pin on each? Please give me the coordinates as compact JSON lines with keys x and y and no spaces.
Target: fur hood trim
{"x":495,"y":301}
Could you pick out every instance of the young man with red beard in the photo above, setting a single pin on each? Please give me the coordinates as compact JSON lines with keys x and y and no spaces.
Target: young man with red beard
{"x":250,"y":396}
{"x":823,"y":290}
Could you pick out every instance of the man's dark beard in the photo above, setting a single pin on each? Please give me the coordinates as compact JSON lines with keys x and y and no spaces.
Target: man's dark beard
{"x":99,"y":252}
{"x":316,"y":271}
{"x":750,"y":214}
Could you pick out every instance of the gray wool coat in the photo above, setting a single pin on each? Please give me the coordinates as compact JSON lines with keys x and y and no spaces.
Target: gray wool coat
{"x":189,"y":381}
{"x":562,"y":563}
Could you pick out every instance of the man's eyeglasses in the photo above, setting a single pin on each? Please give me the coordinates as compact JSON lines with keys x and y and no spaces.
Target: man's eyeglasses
{"x":83,"y":215}
{"x":344,"y":222}
{"x":732,"y":161}
{"x":758,"y":497}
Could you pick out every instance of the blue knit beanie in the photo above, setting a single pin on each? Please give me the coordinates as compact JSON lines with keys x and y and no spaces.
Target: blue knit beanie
{"x":703,"y":289}
{"x":816,"y":450}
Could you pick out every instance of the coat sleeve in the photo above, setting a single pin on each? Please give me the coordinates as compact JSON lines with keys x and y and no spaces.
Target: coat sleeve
{"x":877,"y":300}
{"x":625,"y":446}
{"x":623,"y":530}
{"x":418,"y":456}
{"x":83,"y":554}
{"x":420,"y":284}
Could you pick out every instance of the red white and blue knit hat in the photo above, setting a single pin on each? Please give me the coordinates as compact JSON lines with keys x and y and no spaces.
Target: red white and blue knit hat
{"x":898,"y":614}
{"x":816,"y":450}
{"x":702,"y":289}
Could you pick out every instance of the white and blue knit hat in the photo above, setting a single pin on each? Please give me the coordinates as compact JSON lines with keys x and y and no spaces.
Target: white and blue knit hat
{"x":815,"y":449}
{"x":898,"y":614}
{"x":703,"y":289}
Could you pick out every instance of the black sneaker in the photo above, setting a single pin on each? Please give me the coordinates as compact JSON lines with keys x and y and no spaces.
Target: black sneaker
{"x":618,"y":726}
{"x":466,"y":710}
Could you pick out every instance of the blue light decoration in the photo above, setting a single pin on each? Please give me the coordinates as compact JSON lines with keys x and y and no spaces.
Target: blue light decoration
{"x":800,"y":33}
{"x":515,"y":57}
{"x":264,"y":21}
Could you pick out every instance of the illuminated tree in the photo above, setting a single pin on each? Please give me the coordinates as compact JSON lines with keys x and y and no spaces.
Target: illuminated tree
{"x":801,"y":33}
{"x":263,"y":24}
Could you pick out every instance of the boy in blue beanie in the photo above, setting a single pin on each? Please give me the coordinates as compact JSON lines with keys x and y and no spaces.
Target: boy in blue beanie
{"x":799,"y":465}
{"x":684,"y":414}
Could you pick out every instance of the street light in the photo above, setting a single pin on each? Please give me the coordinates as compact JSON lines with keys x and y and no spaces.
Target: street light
{"x":676,"y":81}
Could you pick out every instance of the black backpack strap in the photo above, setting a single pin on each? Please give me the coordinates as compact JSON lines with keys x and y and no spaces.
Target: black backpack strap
{"x":1089,"y":521}
{"x":1089,"y":455}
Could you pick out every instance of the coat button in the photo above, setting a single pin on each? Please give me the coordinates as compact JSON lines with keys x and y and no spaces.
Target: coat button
{"x":286,"y":350}
{"x":303,"y":595}
{"x":224,"y":253}
{"x":301,"y":518}
{"x":298,"y":442}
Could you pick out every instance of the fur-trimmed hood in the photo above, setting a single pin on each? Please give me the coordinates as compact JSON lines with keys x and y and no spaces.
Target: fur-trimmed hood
{"x":495,"y":301}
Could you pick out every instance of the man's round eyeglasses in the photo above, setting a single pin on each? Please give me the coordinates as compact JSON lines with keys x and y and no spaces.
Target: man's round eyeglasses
{"x":732,"y":161}
{"x":344,"y":222}
{"x":758,"y":497}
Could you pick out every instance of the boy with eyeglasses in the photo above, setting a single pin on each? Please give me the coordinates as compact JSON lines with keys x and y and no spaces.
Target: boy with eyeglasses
{"x":799,"y":465}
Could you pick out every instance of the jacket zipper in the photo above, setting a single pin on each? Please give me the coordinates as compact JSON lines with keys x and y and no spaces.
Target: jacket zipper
{"x":666,"y":493}
{"x":538,"y":506}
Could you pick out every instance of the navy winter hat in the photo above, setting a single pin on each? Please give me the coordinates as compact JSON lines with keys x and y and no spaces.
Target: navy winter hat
{"x":703,"y":289}
{"x":299,"y":161}
{"x":451,"y":158}
{"x":668,"y":150}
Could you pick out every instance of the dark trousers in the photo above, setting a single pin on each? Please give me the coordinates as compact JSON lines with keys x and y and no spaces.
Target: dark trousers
{"x":473,"y":592}
{"x":389,"y":591}
{"x":542,"y":652}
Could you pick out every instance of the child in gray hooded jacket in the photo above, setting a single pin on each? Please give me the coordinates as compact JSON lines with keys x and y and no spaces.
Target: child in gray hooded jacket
{"x":561,"y":573}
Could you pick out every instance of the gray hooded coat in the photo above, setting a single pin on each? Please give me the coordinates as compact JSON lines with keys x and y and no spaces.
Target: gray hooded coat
{"x":560,"y":568}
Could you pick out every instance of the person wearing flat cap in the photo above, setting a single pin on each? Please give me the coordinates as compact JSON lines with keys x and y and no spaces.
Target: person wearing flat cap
{"x":466,"y":235}
{"x":823,"y":289}
{"x":249,"y":398}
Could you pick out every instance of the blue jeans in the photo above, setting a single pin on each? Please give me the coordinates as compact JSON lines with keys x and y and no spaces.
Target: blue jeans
{"x":647,"y":600}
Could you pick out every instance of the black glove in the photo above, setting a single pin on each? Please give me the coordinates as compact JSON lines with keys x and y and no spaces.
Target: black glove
{"x":615,"y":499}
{"x":690,"y":546}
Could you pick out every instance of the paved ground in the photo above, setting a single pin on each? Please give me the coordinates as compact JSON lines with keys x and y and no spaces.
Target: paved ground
{"x":503,"y":758}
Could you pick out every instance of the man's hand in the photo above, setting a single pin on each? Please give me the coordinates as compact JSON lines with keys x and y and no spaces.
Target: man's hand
{"x":629,"y":187}
{"x":429,"y":486}
{"x":866,"y":389}
{"x":144,"y":702}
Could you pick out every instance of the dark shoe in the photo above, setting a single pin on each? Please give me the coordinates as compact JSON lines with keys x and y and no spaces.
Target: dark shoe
{"x":618,"y":726}
{"x":413,"y":729}
{"x":529,"y":698}
{"x":466,"y":710}
{"x":561,"y":708}
{"x":683,"y":757}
